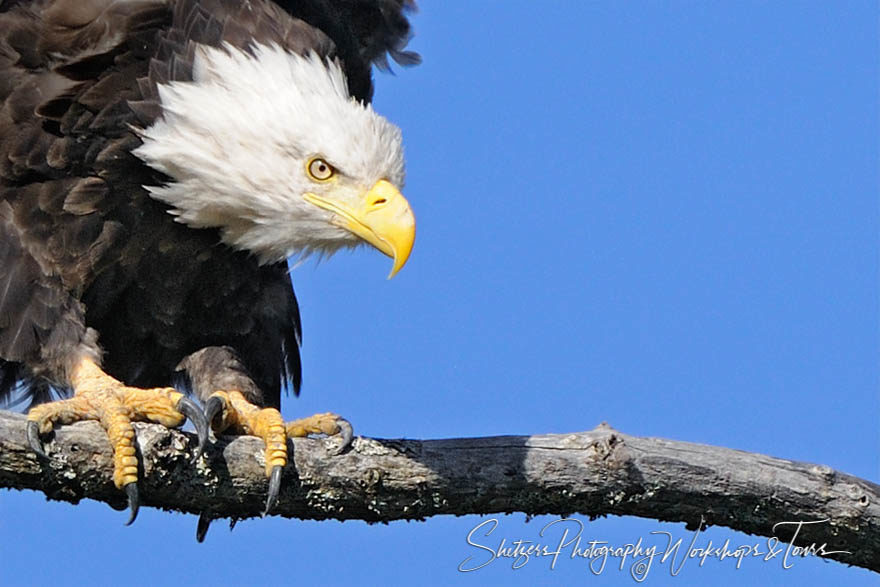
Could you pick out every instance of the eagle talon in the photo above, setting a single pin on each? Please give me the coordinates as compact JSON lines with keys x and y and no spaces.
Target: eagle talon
{"x":215,"y":406}
{"x":274,"y":489}
{"x":131,"y":491}
{"x":345,"y":434}
{"x":203,"y":526}
{"x":33,"y":437}
{"x":191,"y":410}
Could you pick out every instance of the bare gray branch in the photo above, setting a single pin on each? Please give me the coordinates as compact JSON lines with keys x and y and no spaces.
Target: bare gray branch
{"x":593,"y":473}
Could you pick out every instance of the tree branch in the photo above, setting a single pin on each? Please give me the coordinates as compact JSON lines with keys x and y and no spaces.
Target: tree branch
{"x":592,"y":473}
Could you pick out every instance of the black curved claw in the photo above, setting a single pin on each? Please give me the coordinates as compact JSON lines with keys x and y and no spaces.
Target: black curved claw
{"x":274,"y":489}
{"x":33,"y":436}
{"x":131,"y":490}
{"x":202,"y":527}
{"x":214,"y":406}
{"x":346,"y":434}
{"x":191,"y":410}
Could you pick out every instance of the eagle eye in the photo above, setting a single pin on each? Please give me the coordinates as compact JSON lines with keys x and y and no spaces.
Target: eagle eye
{"x":319,"y":170}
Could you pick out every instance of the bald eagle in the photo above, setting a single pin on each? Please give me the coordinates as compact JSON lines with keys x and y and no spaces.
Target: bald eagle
{"x":160,"y":160}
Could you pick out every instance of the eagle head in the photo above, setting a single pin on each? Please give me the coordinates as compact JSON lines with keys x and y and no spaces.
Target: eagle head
{"x":269,"y":147}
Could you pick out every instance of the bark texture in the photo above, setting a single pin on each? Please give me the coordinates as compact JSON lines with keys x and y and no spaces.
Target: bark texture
{"x":594,"y":473}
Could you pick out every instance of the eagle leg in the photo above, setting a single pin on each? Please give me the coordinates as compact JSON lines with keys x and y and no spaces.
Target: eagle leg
{"x":98,"y":396}
{"x":230,"y":411}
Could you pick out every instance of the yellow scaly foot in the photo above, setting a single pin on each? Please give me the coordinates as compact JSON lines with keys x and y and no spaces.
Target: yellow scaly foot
{"x":98,"y":396}
{"x":231,"y":412}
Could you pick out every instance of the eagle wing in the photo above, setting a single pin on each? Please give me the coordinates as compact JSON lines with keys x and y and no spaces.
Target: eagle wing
{"x":61,"y":124}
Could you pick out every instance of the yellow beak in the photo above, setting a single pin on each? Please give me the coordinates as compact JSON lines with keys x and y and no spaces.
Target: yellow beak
{"x":383,"y":218}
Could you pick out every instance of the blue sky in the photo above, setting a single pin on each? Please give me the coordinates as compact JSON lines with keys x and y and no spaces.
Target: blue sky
{"x":662,"y":215}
